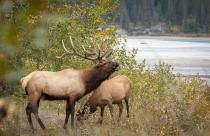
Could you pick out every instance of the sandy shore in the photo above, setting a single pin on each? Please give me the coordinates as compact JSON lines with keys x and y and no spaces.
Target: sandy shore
{"x":185,"y":38}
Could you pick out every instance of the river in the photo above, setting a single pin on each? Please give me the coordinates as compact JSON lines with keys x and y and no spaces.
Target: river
{"x":188,"y":56}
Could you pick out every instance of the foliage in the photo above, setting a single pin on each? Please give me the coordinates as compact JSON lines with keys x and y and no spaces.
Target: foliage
{"x":33,"y":32}
{"x":165,"y":104}
{"x":161,"y":103}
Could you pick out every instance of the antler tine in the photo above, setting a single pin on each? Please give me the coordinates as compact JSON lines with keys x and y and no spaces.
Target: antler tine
{"x":107,"y":54}
{"x":65,"y":53}
{"x":72,"y":44}
{"x":63,"y":45}
{"x":99,"y":51}
{"x":104,"y":56}
{"x":62,"y":56}
{"x":86,"y":53}
{"x":95,"y":48}
{"x":83,"y":48}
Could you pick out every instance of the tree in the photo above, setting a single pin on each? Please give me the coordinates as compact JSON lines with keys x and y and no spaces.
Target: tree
{"x":191,"y":15}
{"x":33,"y":31}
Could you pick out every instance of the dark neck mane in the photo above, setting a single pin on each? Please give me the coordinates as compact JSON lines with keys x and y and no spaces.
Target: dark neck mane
{"x":93,"y":78}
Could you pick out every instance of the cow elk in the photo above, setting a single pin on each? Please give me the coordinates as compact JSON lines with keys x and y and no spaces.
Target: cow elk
{"x":112,"y":91}
{"x":68,"y":84}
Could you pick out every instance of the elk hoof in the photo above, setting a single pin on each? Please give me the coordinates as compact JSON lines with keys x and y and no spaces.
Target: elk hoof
{"x":100,"y":121}
{"x":65,"y":126}
{"x":72,"y":126}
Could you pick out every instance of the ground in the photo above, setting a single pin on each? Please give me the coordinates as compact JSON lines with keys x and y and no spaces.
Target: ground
{"x":52,"y":114}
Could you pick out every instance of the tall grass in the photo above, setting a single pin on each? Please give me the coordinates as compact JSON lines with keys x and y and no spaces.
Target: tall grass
{"x":161,"y":104}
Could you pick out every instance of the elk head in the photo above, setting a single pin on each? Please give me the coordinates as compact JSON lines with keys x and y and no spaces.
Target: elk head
{"x":100,"y":72}
{"x":81,"y":114}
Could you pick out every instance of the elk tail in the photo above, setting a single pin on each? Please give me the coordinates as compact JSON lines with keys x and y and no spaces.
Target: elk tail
{"x":24,"y":82}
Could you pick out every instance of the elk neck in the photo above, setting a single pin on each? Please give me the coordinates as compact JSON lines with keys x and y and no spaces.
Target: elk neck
{"x":93,"y":78}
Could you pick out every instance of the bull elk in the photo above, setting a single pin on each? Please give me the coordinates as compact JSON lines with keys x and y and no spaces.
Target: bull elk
{"x":68,"y":84}
{"x":112,"y":91}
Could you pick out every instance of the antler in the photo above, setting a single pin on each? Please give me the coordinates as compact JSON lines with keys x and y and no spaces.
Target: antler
{"x":87,"y":55}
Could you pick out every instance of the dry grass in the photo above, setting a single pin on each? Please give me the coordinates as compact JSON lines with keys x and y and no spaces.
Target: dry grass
{"x":53,"y":115}
{"x":161,"y":105}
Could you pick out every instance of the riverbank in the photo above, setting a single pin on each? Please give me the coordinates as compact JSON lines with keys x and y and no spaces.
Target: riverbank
{"x":172,"y":37}
{"x":195,"y":35}
{"x":188,"y":56}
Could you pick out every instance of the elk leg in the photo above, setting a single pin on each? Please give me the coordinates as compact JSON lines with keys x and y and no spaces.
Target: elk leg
{"x":120,"y":105}
{"x":110,"y":108}
{"x":28,"y":113}
{"x":67,"y":114}
{"x":39,"y":120}
{"x":72,"y":107}
{"x":102,"y":114}
{"x":35,"y":111}
{"x":127,"y":107}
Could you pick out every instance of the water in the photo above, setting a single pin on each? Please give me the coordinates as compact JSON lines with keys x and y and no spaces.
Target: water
{"x":188,"y":56}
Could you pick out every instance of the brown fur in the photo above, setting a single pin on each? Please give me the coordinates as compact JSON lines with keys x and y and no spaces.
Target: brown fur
{"x":112,"y":91}
{"x":3,"y":108}
{"x":68,"y":84}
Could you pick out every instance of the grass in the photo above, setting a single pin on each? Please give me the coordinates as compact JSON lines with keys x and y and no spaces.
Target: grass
{"x":161,"y":105}
{"x":53,"y":115}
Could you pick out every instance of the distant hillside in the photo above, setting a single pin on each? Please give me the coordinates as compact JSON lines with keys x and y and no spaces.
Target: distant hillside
{"x":165,"y":15}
